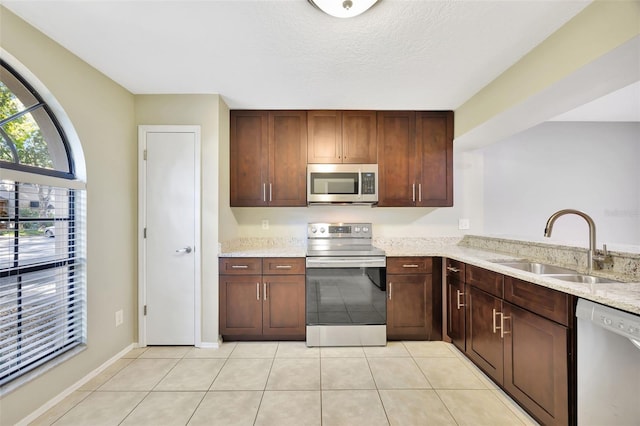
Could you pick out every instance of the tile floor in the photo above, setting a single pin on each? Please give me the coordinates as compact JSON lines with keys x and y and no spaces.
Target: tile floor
{"x":286,"y":383}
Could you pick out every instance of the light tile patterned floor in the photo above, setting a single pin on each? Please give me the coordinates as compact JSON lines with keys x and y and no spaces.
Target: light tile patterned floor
{"x":286,"y":383}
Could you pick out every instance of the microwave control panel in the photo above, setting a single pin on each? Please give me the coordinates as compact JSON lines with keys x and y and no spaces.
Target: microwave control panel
{"x":368,"y":183}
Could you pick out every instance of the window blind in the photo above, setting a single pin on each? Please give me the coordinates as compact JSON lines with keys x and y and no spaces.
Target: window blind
{"x":42,"y":292}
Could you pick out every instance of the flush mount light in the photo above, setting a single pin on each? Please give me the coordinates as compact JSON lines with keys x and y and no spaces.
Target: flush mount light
{"x":343,"y":8}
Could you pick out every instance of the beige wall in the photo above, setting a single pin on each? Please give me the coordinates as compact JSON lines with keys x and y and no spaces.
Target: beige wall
{"x":595,"y":53}
{"x":206,"y":111}
{"x":102,"y":114}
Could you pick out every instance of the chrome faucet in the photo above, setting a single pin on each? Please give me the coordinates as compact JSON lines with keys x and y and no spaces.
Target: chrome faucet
{"x":592,"y":255}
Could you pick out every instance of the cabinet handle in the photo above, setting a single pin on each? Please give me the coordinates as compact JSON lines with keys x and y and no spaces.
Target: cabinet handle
{"x":452,"y":269}
{"x":270,"y":198}
{"x":413,"y":190}
{"x":458,"y":294}
{"x":411,"y":266}
{"x":283,"y":266}
{"x":502,"y":332}
{"x":501,"y":326}
{"x":419,"y":192}
{"x":265,"y":291}
{"x":264,"y":192}
{"x":239,"y":266}
{"x":390,"y":290}
{"x":493,"y":327}
{"x":258,"y":291}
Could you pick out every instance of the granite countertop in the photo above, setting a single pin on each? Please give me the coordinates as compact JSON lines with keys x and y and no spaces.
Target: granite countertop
{"x":625,"y":295}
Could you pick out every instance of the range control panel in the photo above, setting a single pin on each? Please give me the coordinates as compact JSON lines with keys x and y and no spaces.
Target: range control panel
{"x":339,"y":230}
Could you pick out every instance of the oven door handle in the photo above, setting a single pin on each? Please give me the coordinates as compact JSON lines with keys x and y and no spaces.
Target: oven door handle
{"x":324,"y":262}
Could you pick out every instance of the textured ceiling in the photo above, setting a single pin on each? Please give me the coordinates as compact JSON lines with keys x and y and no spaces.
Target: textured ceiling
{"x":286,"y":54}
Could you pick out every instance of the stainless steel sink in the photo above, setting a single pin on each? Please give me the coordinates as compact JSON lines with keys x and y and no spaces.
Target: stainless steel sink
{"x":586,"y":279}
{"x":536,"y":268}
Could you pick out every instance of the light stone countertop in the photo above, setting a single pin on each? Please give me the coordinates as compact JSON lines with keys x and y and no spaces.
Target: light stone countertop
{"x":624,"y":296}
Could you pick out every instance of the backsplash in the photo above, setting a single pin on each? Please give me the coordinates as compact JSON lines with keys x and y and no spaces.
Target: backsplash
{"x":626,"y":266}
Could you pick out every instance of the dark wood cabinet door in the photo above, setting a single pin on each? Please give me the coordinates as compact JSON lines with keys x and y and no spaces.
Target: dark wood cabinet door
{"x":284,"y":306}
{"x":536,"y":364}
{"x":409,"y":308}
{"x":456,"y":301}
{"x":484,"y":344}
{"x":249,"y":164}
{"x":434,"y":138}
{"x":240,"y":305}
{"x":324,"y":137}
{"x":287,"y":184}
{"x":359,"y":142}
{"x":396,"y":158}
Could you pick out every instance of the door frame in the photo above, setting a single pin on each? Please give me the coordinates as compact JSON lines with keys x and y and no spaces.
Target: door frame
{"x":142,"y":215}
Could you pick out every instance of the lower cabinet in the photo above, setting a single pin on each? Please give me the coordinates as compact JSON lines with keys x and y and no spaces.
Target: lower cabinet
{"x":522,"y":336}
{"x":262,"y":298}
{"x":536,"y":371}
{"x":456,"y":309}
{"x":484,"y":342}
{"x":413,"y":299}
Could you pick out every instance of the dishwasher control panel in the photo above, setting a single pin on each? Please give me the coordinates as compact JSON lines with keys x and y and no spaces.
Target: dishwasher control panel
{"x":614,"y":320}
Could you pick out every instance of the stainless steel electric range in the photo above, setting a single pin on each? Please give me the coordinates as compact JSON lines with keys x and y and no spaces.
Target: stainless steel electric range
{"x":345,"y":287}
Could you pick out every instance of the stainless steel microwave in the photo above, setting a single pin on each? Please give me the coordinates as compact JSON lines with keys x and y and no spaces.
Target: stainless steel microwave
{"x":342,"y":183}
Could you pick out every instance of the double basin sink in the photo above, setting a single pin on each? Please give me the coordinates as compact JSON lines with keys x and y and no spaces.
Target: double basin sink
{"x":553,"y":271}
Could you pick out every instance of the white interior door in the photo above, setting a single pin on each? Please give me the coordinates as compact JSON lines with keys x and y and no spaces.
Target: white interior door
{"x":170,"y":197}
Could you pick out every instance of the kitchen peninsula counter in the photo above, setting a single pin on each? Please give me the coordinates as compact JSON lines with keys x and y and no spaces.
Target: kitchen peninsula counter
{"x":483,"y":252}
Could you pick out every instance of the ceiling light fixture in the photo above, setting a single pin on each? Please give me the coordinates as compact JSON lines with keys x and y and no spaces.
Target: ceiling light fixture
{"x":343,"y":8}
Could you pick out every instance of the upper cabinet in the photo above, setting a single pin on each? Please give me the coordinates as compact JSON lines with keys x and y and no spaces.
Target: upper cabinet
{"x":415,"y":158}
{"x":268,"y":151}
{"x":342,"y":137}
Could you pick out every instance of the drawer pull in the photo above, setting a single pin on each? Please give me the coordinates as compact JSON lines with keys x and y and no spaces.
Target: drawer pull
{"x":239,"y":266}
{"x":452,"y":269}
{"x":284,"y":266}
{"x":411,"y":266}
{"x":458,"y":294}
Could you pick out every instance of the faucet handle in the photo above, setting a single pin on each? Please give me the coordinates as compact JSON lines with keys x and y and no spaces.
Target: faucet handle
{"x":602,"y":257}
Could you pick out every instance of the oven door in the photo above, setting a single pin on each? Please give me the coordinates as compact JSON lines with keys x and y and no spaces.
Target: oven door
{"x":346,"y":291}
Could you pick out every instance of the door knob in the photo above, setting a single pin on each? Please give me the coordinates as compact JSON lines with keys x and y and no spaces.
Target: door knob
{"x":184,"y":250}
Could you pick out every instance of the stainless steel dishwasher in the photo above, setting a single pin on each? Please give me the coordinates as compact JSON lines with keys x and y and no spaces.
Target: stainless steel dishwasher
{"x":608,"y":365}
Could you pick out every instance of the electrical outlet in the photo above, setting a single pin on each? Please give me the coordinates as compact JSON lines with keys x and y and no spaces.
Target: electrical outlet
{"x":265,"y":223}
{"x":463,"y":224}
{"x":119,"y":318}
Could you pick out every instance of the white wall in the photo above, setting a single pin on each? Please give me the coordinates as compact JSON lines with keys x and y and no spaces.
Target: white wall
{"x":593,"y":167}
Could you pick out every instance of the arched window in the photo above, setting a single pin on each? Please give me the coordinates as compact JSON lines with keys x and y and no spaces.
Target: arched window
{"x":42,"y":284}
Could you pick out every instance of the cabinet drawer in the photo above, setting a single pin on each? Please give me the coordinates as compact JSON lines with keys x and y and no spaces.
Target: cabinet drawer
{"x":489,"y":281}
{"x":240,"y":265}
{"x":283,"y":266}
{"x":409,"y":265}
{"x":543,"y":301}
{"x":455,"y":269}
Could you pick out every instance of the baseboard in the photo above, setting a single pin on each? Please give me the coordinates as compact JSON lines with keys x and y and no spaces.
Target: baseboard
{"x":65,"y":393}
{"x":209,"y":345}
